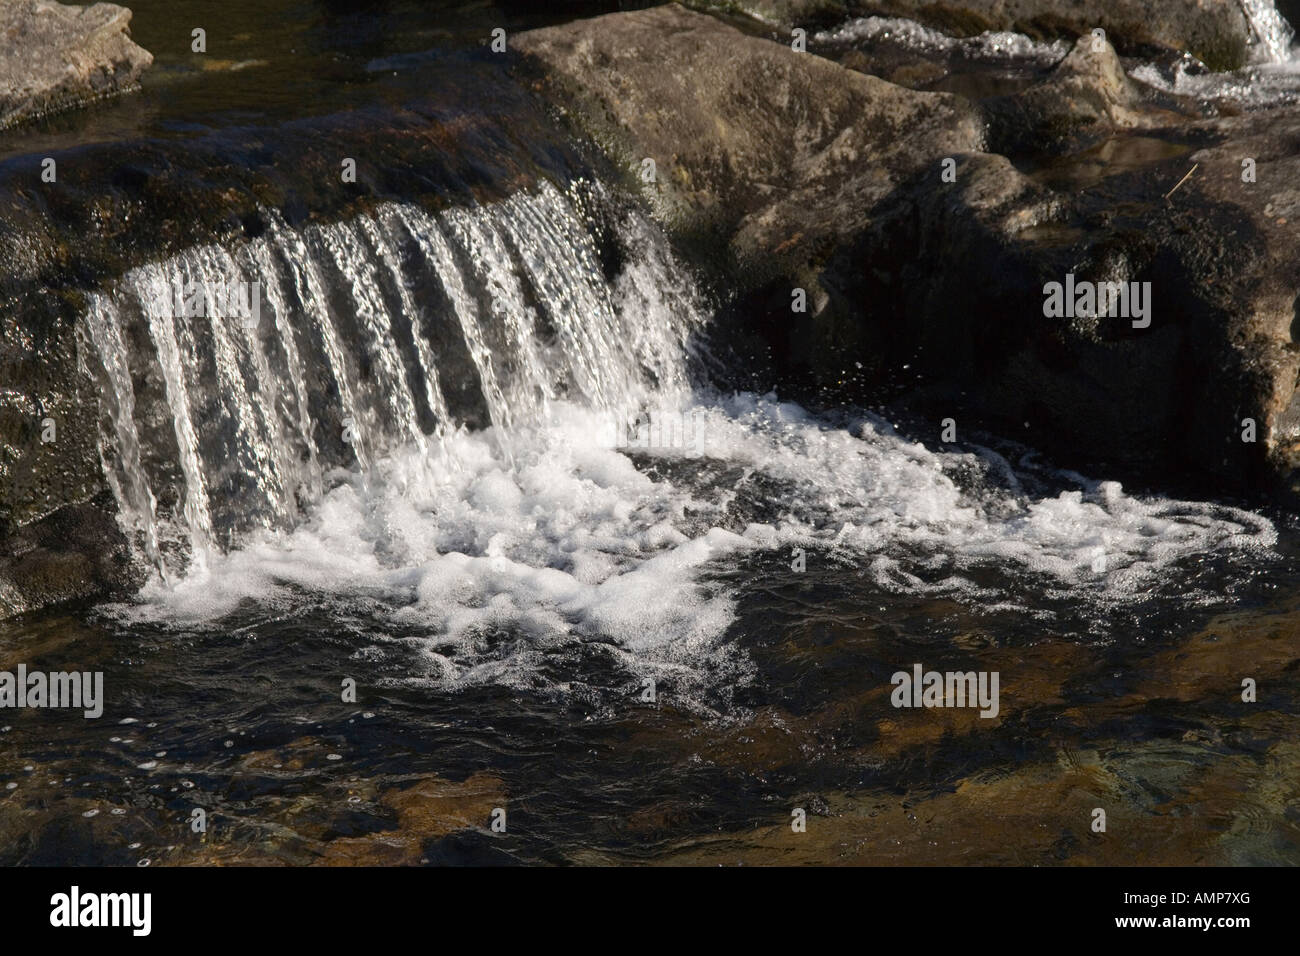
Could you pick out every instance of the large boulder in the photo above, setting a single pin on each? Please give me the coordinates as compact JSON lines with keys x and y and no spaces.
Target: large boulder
{"x":1217,"y":32}
{"x":1088,"y":94}
{"x":1203,"y":394}
{"x":54,"y":56}
{"x":737,"y":137}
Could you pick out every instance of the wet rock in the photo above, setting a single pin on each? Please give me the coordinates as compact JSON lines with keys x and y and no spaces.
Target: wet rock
{"x":1088,"y":94}
{"x":1214,"y":31}
{"x":54,"y":56}
{"x":1199,"y":395}
{"x":747,"y":139}
{"x":77,"y":553}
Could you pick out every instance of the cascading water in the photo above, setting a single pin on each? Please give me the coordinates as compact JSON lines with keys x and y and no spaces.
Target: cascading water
{"x":1273,"y":35}
{"x":344,"y":368}
{"x":327,"y":449}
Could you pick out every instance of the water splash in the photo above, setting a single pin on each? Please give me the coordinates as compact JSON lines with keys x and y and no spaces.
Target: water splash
{"x":362,"y":325}
{"x":1273,"y":35}
{"x":507,"y":552}
{"x":993,"y":46}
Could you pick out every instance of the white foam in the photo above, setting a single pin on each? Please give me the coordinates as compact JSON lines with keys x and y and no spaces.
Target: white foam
{"x":997,"y":45}
{"x":566,"y":541}
{"x":1272,"y":35}
{"x":1253,"y":87}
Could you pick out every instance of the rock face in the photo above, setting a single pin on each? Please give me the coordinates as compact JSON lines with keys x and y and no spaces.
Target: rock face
{"x":1088,"y":94}
{"x":919,"y":251}
{"x":54,"y":56}
{"x":1214,"y":31}
{"x":781,"y":153}
{"x":77,"y":553}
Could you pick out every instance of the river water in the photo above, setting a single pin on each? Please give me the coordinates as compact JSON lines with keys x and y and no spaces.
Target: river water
{"x":460,"y":530}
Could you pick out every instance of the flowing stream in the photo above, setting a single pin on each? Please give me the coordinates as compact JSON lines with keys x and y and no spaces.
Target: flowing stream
{"x":438,"y":505}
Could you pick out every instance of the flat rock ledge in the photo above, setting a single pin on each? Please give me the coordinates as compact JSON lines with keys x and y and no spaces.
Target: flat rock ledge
{"x":54,"y":56}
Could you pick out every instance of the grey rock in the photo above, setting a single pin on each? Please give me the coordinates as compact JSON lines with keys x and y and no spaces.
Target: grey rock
{"x":54,"y":56}
{"x":778,"y":151}
{"x":1088,"y":95}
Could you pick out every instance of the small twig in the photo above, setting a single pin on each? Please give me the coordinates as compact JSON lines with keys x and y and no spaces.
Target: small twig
{"x":1183,"y":180}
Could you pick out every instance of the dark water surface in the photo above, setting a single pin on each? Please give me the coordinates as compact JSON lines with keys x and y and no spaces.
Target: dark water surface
{"x":269,"y":61}
{"x":1137,"y":711}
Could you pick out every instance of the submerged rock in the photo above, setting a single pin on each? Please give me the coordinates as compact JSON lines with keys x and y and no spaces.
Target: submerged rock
{"x":54,"y":56}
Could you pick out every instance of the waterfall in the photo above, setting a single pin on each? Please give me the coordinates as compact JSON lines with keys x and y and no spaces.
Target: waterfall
{"x":1273,"y":35}
{"x":237,"y":381}
{"x":488,"y":419}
